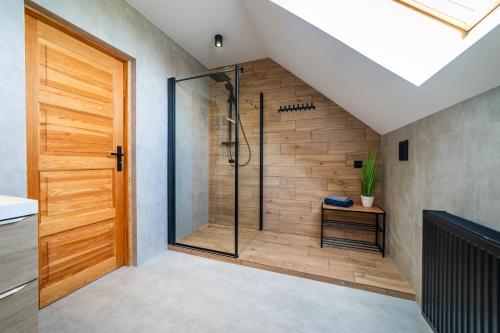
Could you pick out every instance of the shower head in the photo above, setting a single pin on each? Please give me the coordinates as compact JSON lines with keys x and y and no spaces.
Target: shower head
{"x":220,"y":77}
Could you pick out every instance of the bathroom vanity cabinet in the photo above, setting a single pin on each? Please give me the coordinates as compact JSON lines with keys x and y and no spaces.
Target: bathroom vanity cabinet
{"x":18,"y":265}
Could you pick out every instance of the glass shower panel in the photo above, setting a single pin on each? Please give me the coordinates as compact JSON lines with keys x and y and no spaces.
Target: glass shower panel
{"x":204,"y":162}
{"x":249,"y":164}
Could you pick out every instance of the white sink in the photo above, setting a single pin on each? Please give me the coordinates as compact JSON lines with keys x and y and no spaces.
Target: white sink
{"x":12,"y":207}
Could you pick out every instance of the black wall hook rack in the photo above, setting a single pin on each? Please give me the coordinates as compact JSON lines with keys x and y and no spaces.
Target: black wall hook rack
{"x":297,"y":107}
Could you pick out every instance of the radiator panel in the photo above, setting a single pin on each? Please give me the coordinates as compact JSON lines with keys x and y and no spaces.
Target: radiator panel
{"x":460,"y":274}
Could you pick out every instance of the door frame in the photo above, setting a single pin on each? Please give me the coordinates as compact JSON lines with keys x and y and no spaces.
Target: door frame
{"x":129,"y":128}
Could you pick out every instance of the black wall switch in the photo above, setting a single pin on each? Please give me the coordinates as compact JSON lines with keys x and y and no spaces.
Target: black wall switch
{"x":358,"y":164}
{"x":403,"y":150}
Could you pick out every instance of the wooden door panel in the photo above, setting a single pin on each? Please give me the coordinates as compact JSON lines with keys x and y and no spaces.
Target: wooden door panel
{"x":58,"y":223}
{"x":71,"y":259}
{"x":75,"y":120}
{"x":70,"y":101}
{"x":74,"y":85}
{"x":71,"y":72}
{"x":70,"y":252}
{"x":48,"y":35}
{"x":73,"y":132}
{"x":71,"y":66}
{"x":74,"y":192}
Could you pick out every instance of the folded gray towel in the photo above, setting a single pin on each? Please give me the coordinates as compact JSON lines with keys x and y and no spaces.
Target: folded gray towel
{"x":338,"y":198}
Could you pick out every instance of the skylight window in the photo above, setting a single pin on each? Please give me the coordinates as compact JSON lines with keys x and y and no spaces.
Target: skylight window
{"x":464,"y":14}
{"x":398,"y":37}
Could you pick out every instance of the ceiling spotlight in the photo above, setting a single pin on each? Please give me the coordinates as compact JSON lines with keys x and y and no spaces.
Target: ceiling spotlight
{"x":218,"y":40}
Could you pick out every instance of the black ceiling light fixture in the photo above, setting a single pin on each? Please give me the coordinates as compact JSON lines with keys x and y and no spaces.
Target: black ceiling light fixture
{"x":218,"y":40}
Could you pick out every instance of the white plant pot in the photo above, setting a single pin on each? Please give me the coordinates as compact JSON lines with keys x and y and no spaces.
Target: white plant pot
{"x":367,"y":201}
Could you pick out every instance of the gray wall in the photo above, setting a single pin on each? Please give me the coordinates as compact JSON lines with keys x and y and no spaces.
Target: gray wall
{"x":454,"y":165}
{"x":157,"y":58}
{"x":191,"y":155}
{"x":12,"y":95}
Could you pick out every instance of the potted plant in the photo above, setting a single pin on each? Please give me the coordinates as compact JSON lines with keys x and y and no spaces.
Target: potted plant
{"x":368,"y":179}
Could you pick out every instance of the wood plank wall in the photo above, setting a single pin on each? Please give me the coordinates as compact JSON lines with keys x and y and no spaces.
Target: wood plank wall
{"x":307,"y":155}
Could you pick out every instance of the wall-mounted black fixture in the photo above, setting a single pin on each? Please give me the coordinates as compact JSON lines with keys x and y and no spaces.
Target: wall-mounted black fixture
{"x":403,"y":150}
{"x":297,"y":107}
{"x":218,"y":40}
{"x":358,"y":164}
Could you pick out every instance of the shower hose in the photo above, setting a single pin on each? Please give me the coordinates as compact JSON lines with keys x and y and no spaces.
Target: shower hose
{"x":246,"y":142}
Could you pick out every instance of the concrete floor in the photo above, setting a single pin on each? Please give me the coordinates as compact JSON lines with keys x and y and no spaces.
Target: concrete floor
{"x":176,"y":292}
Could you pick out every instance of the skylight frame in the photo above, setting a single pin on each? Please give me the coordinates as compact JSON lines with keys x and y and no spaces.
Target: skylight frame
{"x":448,"y":18}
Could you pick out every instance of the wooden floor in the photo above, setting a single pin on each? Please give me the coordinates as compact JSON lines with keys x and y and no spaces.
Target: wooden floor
{"x":302,"y":256}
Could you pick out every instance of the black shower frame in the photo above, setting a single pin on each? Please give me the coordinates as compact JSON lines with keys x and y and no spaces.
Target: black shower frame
{"x":171,"y":83}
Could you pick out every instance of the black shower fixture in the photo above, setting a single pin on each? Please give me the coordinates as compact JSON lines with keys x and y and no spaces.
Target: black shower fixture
{"x":218,"y":40}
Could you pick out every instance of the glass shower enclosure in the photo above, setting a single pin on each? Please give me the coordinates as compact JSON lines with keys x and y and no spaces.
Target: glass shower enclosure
{"x":204,"y":161}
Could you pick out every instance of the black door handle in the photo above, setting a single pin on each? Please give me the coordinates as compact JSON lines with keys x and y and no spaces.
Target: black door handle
{"x":119,"y":155}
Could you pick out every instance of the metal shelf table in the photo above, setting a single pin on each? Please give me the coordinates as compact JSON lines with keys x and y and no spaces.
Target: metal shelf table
{"x":378,"y":228}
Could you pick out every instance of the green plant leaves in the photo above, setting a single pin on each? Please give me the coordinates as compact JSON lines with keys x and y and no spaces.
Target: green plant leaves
{"x":369,"y":174}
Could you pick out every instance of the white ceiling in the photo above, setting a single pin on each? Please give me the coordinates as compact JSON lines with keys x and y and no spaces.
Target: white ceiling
{"x":194,"y":23}
{"x":254,"y":29}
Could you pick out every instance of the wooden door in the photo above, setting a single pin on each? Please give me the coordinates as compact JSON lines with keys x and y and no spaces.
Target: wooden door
{"x":75,"y":119}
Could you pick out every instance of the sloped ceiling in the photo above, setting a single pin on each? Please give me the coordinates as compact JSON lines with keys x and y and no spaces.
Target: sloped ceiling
{"x":256,"y":29}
